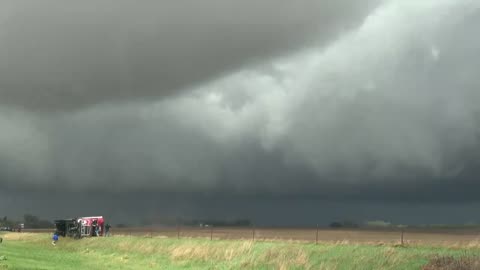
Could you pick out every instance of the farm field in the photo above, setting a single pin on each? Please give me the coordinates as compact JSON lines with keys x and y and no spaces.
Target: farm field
{"x":34,"y":251}
{"x":447,"y":237}
{"x":435,"y":237}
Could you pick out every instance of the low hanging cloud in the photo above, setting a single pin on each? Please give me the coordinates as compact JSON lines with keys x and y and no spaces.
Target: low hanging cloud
{"x":392,"y":101}
{"x":66,"y":55}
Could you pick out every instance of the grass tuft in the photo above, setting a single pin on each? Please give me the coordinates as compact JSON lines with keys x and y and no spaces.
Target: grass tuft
{"x":452,"y":263}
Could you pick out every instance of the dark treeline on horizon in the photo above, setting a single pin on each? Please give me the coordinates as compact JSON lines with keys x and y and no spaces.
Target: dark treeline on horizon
{"x":29,"y":221}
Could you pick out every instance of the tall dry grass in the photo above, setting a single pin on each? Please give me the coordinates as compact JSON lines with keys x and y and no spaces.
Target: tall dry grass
{"x":208,"y":251}
{"x":451,"y":263}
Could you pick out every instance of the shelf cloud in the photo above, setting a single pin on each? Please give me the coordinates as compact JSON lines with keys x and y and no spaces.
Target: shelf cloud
{"x":359,"y":100}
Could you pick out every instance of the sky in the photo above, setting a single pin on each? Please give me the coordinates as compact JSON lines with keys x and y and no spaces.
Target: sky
{"x":283,"y":112}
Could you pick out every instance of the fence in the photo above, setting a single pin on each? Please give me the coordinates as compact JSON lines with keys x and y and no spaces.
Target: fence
{"x":308,"y":235}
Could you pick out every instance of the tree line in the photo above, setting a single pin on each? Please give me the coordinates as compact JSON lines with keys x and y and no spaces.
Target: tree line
{"x":29,"y":222}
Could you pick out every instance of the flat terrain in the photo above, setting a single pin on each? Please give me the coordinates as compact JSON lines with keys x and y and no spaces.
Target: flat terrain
{"x":34,"y":251}
{"x":437,"y":237}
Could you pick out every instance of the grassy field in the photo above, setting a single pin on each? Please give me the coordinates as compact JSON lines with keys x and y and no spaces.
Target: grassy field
{"x":35,"y":251}
{"x":428,"y":236}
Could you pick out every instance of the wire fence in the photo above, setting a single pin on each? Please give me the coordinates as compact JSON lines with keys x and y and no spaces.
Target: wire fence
{"x":308,"y":235}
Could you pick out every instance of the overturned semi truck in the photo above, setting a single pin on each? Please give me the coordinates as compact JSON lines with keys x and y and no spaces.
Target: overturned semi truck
{"x":80,"y":227}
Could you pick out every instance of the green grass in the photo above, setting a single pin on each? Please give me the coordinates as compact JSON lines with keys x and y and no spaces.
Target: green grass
{"x":35,"y":251}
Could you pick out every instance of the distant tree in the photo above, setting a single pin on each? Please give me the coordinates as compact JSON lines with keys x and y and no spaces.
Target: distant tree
{"x":33,"y":222}
{"x":220,"y":223}
{"x":336,"y":225}
{"x":5,"y":222}
{"x":349,"y":224}
{"x":30,"y":220}
{"x":378,"y":224}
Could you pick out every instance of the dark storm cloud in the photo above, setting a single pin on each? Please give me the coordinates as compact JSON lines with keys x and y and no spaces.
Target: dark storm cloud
{"x":68,"y":54}
{"x":134,"y":207}
{"x":387,"y":110}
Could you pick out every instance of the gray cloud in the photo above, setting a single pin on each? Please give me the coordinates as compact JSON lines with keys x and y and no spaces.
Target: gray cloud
{"x":63,"y":55}
{"x":386,"y":110}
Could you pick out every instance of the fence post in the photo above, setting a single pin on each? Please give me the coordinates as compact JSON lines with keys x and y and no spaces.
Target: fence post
{"x":253,"y":234}
{"x":211,"y":233}
{"x":316,"y":236}
{"x":402,"y":236}
{"x":178,"y":231}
